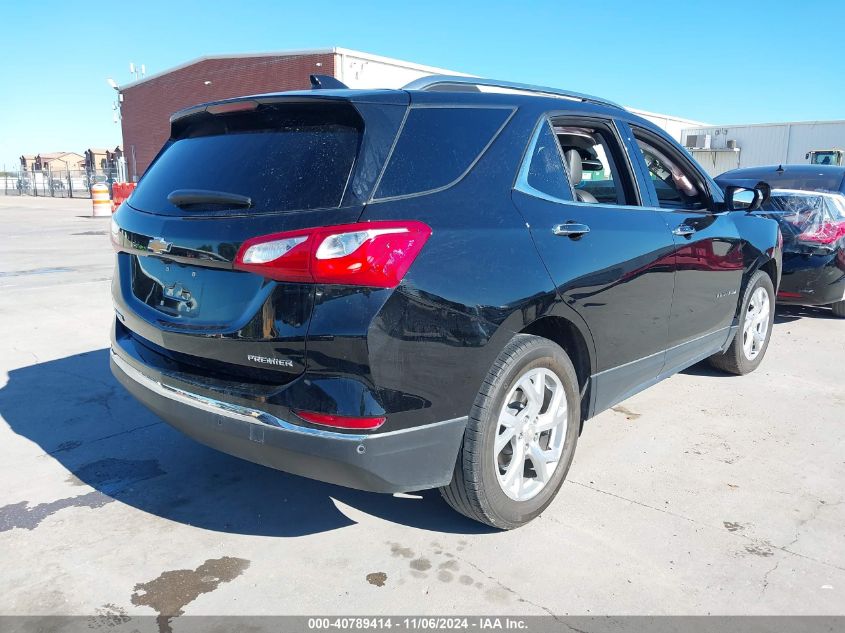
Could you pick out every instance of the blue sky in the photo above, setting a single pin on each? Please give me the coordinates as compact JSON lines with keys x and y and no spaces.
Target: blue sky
{"x":720,"y":62}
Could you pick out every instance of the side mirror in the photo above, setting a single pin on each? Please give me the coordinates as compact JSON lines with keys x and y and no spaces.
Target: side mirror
{"x":741,"y":199}
{"x":746,"y":196}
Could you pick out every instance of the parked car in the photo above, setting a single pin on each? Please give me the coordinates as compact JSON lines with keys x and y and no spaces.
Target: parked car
{"x":825,"y":178}
{"x":810,"y":209}
{"x":813,"y":228}
{"x":396,"y":290}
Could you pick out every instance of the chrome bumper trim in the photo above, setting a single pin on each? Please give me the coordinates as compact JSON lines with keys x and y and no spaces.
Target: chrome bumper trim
{"x":226,"y":409}
{"x":248,"y":414}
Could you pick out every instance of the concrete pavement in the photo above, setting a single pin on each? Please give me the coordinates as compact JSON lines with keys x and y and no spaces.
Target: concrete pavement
{"x":706,"y":494}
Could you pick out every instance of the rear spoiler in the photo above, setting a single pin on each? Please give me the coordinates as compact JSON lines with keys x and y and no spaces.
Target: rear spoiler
{"x":398,"y":97}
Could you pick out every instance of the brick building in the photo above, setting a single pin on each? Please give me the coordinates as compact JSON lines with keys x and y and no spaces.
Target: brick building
{"x":146,"y":104}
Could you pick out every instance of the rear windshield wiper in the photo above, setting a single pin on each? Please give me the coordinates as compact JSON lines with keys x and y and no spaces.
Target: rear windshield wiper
{"x":189,"y":197}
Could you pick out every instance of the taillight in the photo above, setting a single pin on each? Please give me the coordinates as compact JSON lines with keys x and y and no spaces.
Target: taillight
{"x":341,"y":421}
{"x":363,"y":254}
{"x":824,"y":233}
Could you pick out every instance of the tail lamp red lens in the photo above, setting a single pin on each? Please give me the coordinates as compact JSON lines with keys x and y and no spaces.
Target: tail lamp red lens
{"x":364,"y":254}
{"x":825,"y":233}
{"x":341,"y":421}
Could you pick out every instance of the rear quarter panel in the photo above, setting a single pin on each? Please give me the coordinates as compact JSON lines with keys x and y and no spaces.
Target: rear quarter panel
{"x":478,"y":280}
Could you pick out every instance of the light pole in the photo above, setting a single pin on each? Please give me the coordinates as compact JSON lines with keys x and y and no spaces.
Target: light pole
{"x":111,"y":82}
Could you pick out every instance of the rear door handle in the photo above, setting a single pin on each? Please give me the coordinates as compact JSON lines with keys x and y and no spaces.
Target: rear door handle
{"x":684,"y":230}
{"x":572,"y":229}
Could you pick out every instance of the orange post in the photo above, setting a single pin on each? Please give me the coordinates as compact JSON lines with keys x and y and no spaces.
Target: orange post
{"x":100,"y":200}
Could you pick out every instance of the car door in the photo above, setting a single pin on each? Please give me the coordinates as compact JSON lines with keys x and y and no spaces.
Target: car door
{"x":708,"y":256}
{"x":610,"y":258}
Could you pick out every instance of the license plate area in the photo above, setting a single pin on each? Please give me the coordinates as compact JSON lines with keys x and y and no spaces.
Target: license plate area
{"x":175,"y":290}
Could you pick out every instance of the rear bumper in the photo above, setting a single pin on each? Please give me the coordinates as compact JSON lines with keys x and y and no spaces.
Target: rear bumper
{"x":813,"y":278}
{"x":396,"y":461}
{"x":812,"y":286}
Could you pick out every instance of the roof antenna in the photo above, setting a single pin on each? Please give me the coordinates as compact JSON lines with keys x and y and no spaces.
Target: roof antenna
{"x":779,"y":169}
{"x":326,"y":82}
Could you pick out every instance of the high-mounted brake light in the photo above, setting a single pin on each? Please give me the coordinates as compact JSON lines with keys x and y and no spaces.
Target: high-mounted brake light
{"x":374,"y":254}
{"x":232,"y":106}
{"x":341,"y":421}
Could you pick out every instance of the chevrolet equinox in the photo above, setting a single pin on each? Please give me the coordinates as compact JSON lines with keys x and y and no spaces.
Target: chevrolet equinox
{"x":396,"y":290}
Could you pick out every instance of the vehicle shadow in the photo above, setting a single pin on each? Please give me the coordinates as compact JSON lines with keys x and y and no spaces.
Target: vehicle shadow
{"x":83,"y":418}
{"x":704,"y":368}
{"x":790,"y":313}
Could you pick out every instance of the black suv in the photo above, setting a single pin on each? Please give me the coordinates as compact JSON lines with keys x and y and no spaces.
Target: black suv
{"x":396,"y":290}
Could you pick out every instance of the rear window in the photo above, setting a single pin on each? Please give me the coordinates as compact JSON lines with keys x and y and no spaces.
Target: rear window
{"x":790,"y":205}
{"x":437,"y":146}
{"x":283,"y":157}
{"x":802,"y":214}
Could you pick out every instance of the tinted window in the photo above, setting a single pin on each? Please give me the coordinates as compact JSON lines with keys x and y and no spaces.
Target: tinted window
{"x":284,"y":158}
{"x":436,"y":146}
{"x":676,"y":187}
{"x":545,"y":169}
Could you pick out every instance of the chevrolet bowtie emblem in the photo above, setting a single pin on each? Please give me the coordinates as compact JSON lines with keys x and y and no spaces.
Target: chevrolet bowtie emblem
{"x":159,"y":245}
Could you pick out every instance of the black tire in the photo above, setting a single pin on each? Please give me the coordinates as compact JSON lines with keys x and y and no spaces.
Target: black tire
{"x":839,"y":309}
{"x":475,"y":491}
{"x":734,"y":360}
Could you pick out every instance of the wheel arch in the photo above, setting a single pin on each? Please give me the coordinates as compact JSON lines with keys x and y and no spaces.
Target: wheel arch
{"x":577,"y":344}
{"x":769,"y":265}
{"x":763,"y":248}
{"x":772,"y":269}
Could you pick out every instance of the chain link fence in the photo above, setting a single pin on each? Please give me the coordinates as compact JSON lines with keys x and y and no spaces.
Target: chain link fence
{"x":65,"y":183}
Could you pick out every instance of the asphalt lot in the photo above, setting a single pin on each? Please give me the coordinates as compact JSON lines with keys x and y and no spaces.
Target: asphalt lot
{"x":706,"y":494}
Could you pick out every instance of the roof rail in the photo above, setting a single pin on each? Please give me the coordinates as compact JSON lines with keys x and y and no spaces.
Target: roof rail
{"x":441,"y":82}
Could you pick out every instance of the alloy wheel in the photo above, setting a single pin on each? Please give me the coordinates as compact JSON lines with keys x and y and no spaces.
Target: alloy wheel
{"x":530,"y":434}
{"x":756,"y":324}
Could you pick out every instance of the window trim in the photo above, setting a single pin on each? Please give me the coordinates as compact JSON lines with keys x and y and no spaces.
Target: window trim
{"x":438,"y":106}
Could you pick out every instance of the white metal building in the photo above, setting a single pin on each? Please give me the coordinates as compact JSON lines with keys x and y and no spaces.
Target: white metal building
{"x":672,"y":124}
{"x":724,"y":147}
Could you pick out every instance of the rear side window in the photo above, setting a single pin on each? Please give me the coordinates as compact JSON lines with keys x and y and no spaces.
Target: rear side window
{"x":284,"y":158}
{"x":437,"y":146}
{"x":545,"y":172}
